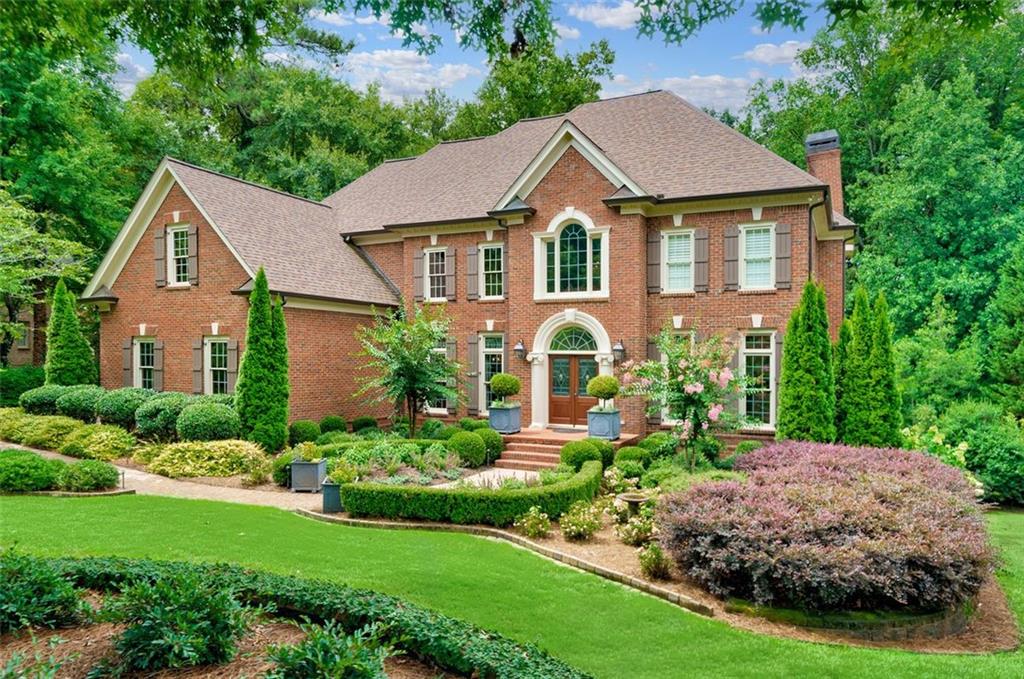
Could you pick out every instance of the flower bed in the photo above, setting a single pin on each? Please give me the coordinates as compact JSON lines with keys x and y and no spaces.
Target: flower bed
{"x":833,"y":528}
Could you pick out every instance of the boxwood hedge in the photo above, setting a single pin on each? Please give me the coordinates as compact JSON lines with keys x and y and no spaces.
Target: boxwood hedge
{"x":79,"y":402}
{"x":498,"y":507}
{"x":42,"y":400}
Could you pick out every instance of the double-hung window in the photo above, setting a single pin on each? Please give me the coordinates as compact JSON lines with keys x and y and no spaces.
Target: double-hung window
{"x":177,"y":255}
{"x":758,"y":368}
{"x":439,"y":406}
{"x":436,"y":280}
{"x":571,"y":259}
{"x":677,"y":254}
{"x":757,"y":257}
{"x":25,"y":338}
{"x":143,"y":356}
{"x":492,"y":271}
{"x":492,"y":348}
{"x":215,"y":365}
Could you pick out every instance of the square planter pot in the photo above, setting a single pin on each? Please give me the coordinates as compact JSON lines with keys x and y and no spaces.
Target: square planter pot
{"x":506,"y":420}
{"x":604,"y":425}
{"x":308,"y":476}
{"x":332,"y":498}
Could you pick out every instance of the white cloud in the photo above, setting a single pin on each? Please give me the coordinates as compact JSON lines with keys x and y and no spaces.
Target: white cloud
{"x":403,"y":73}
{"x":332,"y":18}
{"x":773,"y":54}
{"x":621,"y":16}
{"x":566,"y":32}
{"x":129,"y":73}
{"x":756,"y":29}
{"x":369,"y":20}
{"x":712,"y":91}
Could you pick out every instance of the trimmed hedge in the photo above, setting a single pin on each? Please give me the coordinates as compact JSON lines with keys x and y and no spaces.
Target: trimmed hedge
{"x":604,"y":447}
{"x":301,"y":431}
{"x":157,"y":418}
{"x":575,"y":453}
{"x":333,"y":423}
{"x":634,"y":453}
{"x":79,"y":402}
{"x":119,"y":406}
{"x":22,"y":471}
{"x":42,"y":400}
{"x":470,"y":448}
{"x":98,"y":442}
{"x":493,"y":443}
{"x":208,"y":422}
{"x":498,"y":507}
{"x":208,"y":458}
{"x":88,"y":476}
{"x":17,"y":380}
{"x":364,"y":422}
{"x":45,"y":431}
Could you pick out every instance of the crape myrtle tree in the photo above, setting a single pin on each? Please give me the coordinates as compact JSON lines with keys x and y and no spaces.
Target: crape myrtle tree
{"x":807,"y":386}
{"x":69,"y":357}
{"x":403,"y":363}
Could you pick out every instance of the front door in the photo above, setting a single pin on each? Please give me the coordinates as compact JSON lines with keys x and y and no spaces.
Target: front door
{"x":568,"y":394}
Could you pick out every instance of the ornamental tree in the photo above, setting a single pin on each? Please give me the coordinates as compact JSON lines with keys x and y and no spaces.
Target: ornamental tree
{"x":69,"y":356}
{"x":692,"y":386}
{"x":807,"y":387}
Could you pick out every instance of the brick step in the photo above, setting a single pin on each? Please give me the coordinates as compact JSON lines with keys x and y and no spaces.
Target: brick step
{"x":525,"y":455}
{"x":523,"y":465}
{"x":533,"y":447}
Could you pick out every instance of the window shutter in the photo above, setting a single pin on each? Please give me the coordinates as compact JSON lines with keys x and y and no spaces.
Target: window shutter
{"x":777,"y":368}
{"x":734,"y":366}
{"x":783,"y":257}
{"x":193,"y":254}
{"x":158,"y":365}
{"x":451,"y":349}
{"x":417,"y":275}
{"x":473,"y":385}
{"x":472,"y":279}
{"x":504,"y":273}
{"x":160,"y":257}
{"x":700,"y":259}
{"x":449,"y":273}
{"x":653,"y":260}
{"x":126,"y":363}
{"x":232,"y":365}
{"x":653,"y":354}
{"x":197,"y":366}
{"x":732,"y":258}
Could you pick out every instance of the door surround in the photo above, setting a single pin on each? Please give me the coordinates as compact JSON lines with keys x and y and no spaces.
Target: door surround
{"x":538,"y":358}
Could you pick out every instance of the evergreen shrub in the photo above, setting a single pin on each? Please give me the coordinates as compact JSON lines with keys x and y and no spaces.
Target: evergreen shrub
{"x":606,"y":449}
{"x":207,"y":422}
{"x":88,"y":476}
{"x":98,"y":442}
{"x":34,"y":594}
{"x":79,"y":402}
{"x":470,"y":448}
{"x":157,"y":418}
{"x":69,"y":356}
{"x":22,"y":471}
{"x":207,"y":458}
{"x":119,"y":406}
{"x":16,"y":380}
{"x":363,"y":422}
{"x":331,"y":423}
{"x":303,"y":430}
{"x":575,"y":453}
{"x":641,"y":455}
{"x":493,"y":443}
{"x":42,"y":400}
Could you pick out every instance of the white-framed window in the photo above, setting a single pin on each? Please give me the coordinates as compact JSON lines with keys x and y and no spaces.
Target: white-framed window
{"x":177,"y":255}
{"x":692,"y":334}
{"x":143,"y":360}
{"x":439,"y":406}
{"x":435,"y":282}
{"x":677,"y":260}
{"x":492,"y":271}
{"x":492,"y":362}
{"x":757,"y":256}
{"x":757,"y":360}
{"x":571,"y":258}
{"x":25,"y":338}
{"x":215,"y":365}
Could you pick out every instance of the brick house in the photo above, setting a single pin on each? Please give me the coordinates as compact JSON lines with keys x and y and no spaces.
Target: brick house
{"x":557,"y":246}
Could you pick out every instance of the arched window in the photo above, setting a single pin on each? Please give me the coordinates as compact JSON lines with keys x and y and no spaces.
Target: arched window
{"x":571,"y":258}
{"x":573,"y":338}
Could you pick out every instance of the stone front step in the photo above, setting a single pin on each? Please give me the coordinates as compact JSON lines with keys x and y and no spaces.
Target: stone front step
{"x":540,"y":449}
{"x":533,"y":447}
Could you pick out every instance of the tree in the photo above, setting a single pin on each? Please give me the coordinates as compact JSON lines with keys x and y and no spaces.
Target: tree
{"x":856,"y":390}
{"x":888,"y":418}
{"x":1005,"y":350}
{"x":403,"y":363}
{"x":807,"y":388}
{"x":258,"y":394}
{"x":840,"y":363}
{"x":69,"y":357}
{"x":279,"y":331}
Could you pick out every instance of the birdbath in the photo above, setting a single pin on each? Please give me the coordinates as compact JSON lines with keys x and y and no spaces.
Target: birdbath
{"x":633,"y":501}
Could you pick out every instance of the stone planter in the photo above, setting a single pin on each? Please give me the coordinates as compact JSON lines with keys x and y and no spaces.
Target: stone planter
{"x":604,"y":424}
{"x":506,"y":419}
{"x":308,"y":476}
{"x":332,"y":497}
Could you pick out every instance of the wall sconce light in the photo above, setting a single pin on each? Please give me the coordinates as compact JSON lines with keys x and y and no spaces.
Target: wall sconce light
{"x":619,"y":352}
{"x":520,"y":350}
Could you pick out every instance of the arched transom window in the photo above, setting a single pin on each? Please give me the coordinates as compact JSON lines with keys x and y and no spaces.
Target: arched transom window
{"x":573,"y":338}
{"x":572,"y":259}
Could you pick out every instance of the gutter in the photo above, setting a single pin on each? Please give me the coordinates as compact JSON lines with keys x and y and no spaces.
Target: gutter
{"x":810,"y":233}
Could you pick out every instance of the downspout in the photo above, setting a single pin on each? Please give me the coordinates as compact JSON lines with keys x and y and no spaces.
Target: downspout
{"x":810,"y":233}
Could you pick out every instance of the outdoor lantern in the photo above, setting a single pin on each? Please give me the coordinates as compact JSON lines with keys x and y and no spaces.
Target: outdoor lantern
{"x":619,"y":352}
{"x":520,"y":350}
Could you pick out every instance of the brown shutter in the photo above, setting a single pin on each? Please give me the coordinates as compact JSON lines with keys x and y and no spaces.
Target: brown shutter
{"x":232,"y":365}
{"x":473,"y":384}
{"x":653,"y":260}
{"x":126,"y":363}
{"x":783,"y":257}
{"x":197,"y":366}
{"x":653,"y":354}
{"x":777,"y":369}
{"x":472,"y":274}
{"x":504,"y":271}
{"x":193,"y":254}
{"x":449,"y":273}
{"x":700,"y":259}
{"x":734,"y":365}
{"x":160,"y":257}
{"x":158,"y":365}
{"x":732,"y":257}
{"x":451,"y":350}
{"x":417,"y":275}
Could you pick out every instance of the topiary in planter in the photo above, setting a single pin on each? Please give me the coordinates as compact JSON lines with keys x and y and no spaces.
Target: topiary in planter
{"x":42,"y":400}
{"x":603,"y":387}
{"x":333,"y":423}
{"x":157,"y":418}
{"x":303,"y":430}
{"x":88,"y":476}
{"x":119,"y":406}
{"x":492,"y":442}
{"x":575,"y":453}
{"x":503,"y":386}
{"x":470,"y":448}
{"x":80,"y":402}
{"x":208,"y":422}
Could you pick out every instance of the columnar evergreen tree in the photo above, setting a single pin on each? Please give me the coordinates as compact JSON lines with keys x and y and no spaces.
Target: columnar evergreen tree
{"x":258,"y":394}
{"x":280,"y":333}
{"x":1005,"y":355}
{"x":888,"y":418}
{"x":855,"y":391}
{"x":69,"y":357}
{"x":840,"y":362}
{"x":807,"y":388}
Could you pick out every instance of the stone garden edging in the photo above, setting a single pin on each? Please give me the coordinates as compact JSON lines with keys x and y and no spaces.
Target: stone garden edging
{"x":485,"y":531}
{"x":68,"y":493}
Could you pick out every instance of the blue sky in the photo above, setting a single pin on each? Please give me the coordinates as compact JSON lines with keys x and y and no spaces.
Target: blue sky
{"x":715,"y":68}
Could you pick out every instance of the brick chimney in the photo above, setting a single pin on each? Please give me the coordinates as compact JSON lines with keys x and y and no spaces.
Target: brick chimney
{"x":824,"y":161}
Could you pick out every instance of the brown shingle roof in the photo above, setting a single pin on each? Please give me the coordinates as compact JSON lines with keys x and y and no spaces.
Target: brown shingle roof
{"x":662,"y":143}
{"x":293,"y":239}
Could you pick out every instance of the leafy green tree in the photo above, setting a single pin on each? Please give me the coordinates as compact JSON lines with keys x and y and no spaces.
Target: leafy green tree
{"x":807,"y":388}
{"x":1005,"y":350}
{"x":840,"y":364}
{"x":403,"y":364}
{"x":258,"y":393}
{"x":887,"y":413}
{"x":69,"y":357}
{"x":857,"y":401}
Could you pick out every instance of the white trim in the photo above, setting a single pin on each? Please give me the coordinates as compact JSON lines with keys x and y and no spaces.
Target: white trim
{"x":743,"y":258}
{"x":772,"y":386}
{"x":207,"y":362}
{"x":567,"y":135}
{"x":664,"y":259}
{"x":426,"y":406}
{"x":481,"y":279}
{"x":136,"y":361}
{"x":427,"y":297}
{"x":328,"y":305}
{"x":570,"y":215}
{"x":483,"y":351}
{"x":172,"y":272}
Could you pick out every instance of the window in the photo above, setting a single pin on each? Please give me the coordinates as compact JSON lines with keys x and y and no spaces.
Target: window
{"x":144,"y":360}
{"x":215,"y":361}
{"x":756,"y":257}
{"x":439,"y":406}
{"x":493,"y":361}
{"x":758,"y":369}
{"x":677,"y":255}
{"x":571,"y":259}
{"x":437,"y":275}
{"x":492,"y":271}
{"x":25,"y":338}
{"x":573,"y":339}
{"x":177,"y":255}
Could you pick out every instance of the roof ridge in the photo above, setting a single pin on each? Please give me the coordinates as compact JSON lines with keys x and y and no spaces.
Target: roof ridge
{"x":398,"y":160}
{"x":617,"y":96}
{"x":458,"y":141}
{"x":246,"y":181}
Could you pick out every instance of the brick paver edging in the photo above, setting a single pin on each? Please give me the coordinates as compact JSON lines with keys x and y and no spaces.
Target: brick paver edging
{"x":485,"y":531}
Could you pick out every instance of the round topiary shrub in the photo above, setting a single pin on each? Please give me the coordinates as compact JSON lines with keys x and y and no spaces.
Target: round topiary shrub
{"x":119,"y":406}
{"x":446,"y":432}
{"x":301,"y":431}
{"x":633,"y":453}
{"x":603,"y":387}
{"x":333,"y":423}
{"x":157,"y":418}
{"x":504,"y":386}
{"x":575,"y":453}
{"x":22,"y":471}
{"x":88,"y":476}
{"x":364,"y":422}
{"x":469,"y":447}
{"x":492,"y":442}
{"x":660,"y":444}
{"x":606,"y":449}
{"x":98,"y":442}
{"x":80,"y":402}
{"x":208,"y":422}
{"x":42,"y":400}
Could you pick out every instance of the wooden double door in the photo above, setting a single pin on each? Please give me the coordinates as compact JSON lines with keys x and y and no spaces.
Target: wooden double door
{"x":567,"y":390}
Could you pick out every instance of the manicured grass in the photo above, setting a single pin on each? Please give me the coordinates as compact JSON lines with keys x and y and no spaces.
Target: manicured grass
{"x":594,"y":624}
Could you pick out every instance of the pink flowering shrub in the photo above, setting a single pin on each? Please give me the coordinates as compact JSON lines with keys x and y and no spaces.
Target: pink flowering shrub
{"x":828,"y":527}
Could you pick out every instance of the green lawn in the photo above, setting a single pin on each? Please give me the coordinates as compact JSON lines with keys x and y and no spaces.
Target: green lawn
{"x":594,"y":624}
